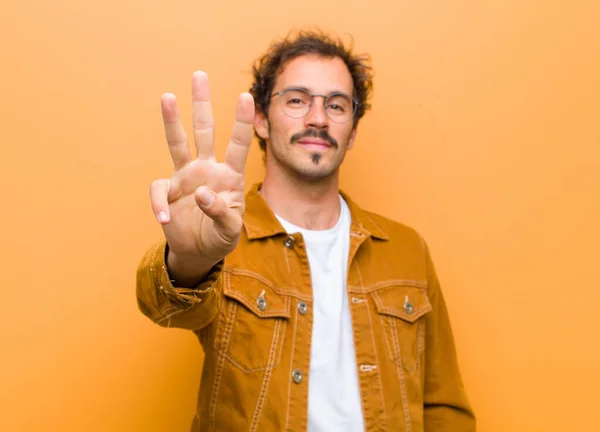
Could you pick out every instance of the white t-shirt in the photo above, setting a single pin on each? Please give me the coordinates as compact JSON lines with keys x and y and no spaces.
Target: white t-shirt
{"x":333,"y":395}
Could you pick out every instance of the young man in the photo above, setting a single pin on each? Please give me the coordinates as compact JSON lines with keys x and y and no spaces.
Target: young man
{"x":313,"y":313}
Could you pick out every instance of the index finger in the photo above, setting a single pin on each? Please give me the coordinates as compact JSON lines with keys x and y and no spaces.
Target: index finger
{"x":176,"y":137}
{"x":241,"y":135}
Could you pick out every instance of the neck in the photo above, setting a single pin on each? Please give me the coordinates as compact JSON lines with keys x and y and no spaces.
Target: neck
{"x":309,"y":204}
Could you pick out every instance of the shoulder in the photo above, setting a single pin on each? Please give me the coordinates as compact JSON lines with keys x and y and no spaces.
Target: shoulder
{"x":384,"y":228}
{"x":397,"y":232}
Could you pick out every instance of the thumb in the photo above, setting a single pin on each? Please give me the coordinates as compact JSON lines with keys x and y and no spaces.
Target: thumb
{"x":226,"y":219}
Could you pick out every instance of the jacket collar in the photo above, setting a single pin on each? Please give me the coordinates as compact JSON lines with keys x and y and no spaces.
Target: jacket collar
{"x":260,"y":221}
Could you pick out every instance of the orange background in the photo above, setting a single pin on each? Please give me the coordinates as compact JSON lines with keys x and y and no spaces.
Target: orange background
{"x":483,"y":136}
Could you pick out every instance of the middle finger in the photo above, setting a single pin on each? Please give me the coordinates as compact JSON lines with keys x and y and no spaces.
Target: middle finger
{"x":204,"y":124}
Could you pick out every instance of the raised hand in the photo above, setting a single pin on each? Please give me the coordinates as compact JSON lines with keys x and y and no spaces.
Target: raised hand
{"x":201,"y":206}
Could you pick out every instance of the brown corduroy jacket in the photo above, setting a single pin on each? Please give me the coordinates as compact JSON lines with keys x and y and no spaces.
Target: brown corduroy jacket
{"x":253,"y":317}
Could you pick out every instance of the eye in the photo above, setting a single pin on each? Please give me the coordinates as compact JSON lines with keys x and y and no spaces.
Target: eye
{"x":339,"y":104}
{"x":337,"y":108}
{"x":295,"y":99}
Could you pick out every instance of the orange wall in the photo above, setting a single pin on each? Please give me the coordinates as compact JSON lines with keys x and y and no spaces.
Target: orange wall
{"x":484,"y":136}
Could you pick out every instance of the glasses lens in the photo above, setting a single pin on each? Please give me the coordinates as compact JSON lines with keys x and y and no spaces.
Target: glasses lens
{"x":339,"y":107}
{"x":295,"y":103}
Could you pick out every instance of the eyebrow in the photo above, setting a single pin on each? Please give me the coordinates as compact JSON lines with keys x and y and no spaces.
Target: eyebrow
{"x":308,"y":90}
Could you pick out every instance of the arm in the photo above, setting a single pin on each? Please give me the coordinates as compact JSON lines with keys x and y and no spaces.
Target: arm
{"x":173,"y":306}
{"x":200,"y":209}
{"x":446,"y":407}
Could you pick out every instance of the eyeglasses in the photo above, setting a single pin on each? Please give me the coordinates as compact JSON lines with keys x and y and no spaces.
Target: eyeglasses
{"x":297,"y":102}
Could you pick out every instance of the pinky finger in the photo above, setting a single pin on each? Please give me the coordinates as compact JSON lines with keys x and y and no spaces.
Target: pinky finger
{"x":159,"y":193}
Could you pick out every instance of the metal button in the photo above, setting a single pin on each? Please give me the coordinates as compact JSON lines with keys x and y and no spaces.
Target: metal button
{"x":302,"y":308}
{"x":297,"y":376}
{"x":289,"y":242}
{"x":262,"y":303}
{"x":408,"y":307}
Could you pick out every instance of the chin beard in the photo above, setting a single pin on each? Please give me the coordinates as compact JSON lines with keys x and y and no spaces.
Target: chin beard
{"x":312,"y":170}
{"x":315,"y":172}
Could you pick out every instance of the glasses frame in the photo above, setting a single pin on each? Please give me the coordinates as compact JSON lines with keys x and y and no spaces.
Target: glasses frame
{"x":355,"y":102}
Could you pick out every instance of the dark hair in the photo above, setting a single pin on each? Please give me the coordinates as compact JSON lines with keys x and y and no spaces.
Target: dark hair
{"x":268,"y":67}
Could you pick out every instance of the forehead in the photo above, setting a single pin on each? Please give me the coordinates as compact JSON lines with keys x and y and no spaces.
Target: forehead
{"x":318,"y":74}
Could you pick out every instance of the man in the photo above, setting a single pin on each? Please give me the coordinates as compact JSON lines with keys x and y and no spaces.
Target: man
{"x":313,"y":313}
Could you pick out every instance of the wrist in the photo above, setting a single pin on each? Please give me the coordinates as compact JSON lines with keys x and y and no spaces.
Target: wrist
{"x":187,"y":270}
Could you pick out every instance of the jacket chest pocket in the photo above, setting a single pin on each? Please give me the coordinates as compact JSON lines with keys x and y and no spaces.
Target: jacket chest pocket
{"x":255,"y":320}
{"x":402,"y":311}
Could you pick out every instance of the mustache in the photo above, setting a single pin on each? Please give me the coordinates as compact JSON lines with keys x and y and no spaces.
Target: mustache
{"x":314,"y":133}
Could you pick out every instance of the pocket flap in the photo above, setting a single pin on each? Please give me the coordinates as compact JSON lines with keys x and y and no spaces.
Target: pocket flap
{"x":257,"y":294}
{"x":404,"y":302}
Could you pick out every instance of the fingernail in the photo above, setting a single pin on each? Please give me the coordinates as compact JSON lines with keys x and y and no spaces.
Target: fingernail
{"x":162,"y":217}
{"x":206,"y":198}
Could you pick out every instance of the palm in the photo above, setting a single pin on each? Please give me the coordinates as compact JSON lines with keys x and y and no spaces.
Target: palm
{"x":189,"y":229}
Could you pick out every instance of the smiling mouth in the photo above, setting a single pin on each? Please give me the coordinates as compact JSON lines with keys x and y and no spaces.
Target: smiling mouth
{"x":314,"y":144}
{"x":314,"y":139}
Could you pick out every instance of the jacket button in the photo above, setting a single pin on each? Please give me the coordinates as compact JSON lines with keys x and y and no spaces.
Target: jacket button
{"x":289,"y":242}
{"x":302,"y":308}
{"x":261,"y":303}
{"x":297,"y":376}
{"x":408,"y":307}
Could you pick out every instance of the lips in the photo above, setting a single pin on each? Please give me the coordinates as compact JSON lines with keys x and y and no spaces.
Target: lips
{"x":314,"y":139}
{"x":314,"y":143}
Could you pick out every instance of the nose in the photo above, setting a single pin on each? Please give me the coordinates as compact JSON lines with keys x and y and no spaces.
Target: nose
{"x":317,"y":117}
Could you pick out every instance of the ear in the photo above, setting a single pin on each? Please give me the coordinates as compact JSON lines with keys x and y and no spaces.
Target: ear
{"x":352,"y":138}
{"x":261,"y":125}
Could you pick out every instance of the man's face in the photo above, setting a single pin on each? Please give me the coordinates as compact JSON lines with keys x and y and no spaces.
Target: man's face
{"x":311,"y":147}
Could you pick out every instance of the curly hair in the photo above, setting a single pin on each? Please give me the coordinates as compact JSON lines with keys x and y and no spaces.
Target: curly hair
{"x":267,"y":68}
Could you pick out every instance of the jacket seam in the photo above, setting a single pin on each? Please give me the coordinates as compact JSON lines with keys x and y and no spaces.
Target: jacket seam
{"x":167,"y":315}
{"x":221,"y":362}
{"x":289,"y":292}
{"x":385,"y":326}
{"x":267,"y":377}
{"x":401,"y":376}
{"x":242,"y":368}
{"x":385,"y":234}
{"x":398,"y":313}
{"x":374,"y":345}
{"x":258,"y":369}
{"x":287,"y":262}
{"x":408,"y":283}
{"x":239,"y":296}
{"x":287,"y":414}
{"x":420,"y":342}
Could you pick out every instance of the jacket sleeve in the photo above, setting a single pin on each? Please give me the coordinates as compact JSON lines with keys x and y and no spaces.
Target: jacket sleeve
{"x":170,"y":306}
{"x":446,"y":406}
